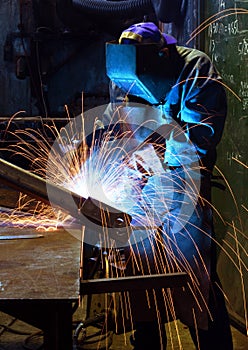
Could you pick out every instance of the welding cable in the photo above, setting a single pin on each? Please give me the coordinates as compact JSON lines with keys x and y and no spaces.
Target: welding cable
{"x":166,"y":11}
{"x":37,"y":86}
{"x":95,"y":338}
{"x":12,"y":330}
{"x":115,"y":9}
{"x":30,"y":337}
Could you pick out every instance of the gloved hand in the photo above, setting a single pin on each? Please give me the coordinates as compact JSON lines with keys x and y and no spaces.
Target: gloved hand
{"x":144,"y":163}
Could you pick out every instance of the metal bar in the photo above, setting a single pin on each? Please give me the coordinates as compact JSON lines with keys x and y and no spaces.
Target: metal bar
{"x":27,"y":236}
{"x":130,"y":283}
{"x":34,"y":118}
{"x":31,"y":184}
{"x":77,"y":206}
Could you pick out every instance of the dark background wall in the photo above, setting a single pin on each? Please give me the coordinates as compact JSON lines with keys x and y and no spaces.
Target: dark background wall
{"x":226,"y":42}
{"x":46,"y":61}
{"x":52,"y":52}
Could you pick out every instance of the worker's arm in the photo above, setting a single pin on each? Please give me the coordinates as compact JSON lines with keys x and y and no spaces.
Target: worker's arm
{"x":199,"y":100}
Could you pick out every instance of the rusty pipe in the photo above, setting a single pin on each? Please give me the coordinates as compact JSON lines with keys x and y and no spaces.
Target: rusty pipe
{"x":69,"y":202}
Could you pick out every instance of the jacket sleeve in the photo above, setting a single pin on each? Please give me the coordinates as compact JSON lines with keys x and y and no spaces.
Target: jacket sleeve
{"x":198,"y":103}
{"x":203,"y":105}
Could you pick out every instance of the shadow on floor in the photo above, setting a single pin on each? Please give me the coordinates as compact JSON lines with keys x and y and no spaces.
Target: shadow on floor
{"x":17,"y":335}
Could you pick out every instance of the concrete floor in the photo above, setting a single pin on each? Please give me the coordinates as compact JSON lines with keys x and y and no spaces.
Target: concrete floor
{"x":17,"y":335}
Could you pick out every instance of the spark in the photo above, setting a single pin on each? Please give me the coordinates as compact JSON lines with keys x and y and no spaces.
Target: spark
{"x":241,"y":274}
{"x":108,"y":169}
{"x":213,"y":79}
{"x":117,"y":169}
{"x":31,"y":214}
{"x":241,"y":163}
{"x":216,"y":17}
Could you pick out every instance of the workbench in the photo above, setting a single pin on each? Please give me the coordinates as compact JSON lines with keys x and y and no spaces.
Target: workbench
{"x":39,"y":282}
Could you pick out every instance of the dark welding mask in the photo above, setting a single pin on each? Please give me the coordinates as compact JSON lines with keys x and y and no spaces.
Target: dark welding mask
{"x":138,"y":64}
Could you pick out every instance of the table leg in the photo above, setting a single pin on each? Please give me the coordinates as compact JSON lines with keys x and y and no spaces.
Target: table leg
{"x":53,"y":317}
{"x":58,"y":327}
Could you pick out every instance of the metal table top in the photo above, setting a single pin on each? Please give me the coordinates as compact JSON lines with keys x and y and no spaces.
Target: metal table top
{"x":42,"y":268}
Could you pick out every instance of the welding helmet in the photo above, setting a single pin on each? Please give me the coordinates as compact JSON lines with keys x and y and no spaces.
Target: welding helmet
{"x":146,"y":32}
{"x":138,"y":66}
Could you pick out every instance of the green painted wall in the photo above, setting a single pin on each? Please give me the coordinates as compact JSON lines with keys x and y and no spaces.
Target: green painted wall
{"x":226,"y":42}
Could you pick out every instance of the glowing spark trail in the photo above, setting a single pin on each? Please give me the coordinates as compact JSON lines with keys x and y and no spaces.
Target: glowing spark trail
{"x":124,"y":172}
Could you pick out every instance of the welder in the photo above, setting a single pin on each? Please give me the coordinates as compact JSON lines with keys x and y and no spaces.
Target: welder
{"x":189,"y":93}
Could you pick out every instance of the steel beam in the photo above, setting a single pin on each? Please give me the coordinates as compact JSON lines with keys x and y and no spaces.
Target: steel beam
{"x":49,"y":193}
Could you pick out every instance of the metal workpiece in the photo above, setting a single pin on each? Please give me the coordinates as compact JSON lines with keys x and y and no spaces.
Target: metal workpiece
{"x":78,"y":207}
{"x":131,"y":283}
